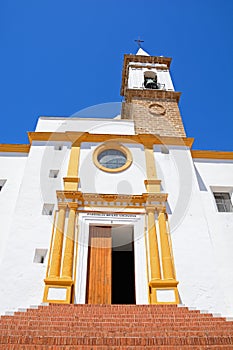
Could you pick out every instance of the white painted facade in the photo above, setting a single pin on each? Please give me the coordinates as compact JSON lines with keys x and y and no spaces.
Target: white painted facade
{"x":202,"y":237}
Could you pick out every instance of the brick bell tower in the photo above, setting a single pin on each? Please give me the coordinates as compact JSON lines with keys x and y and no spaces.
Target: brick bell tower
{"x":150,"y":99}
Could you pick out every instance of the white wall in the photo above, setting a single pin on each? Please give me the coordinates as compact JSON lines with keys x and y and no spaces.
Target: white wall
{"x":202,"y":238}
{"x":216,"y":175}
{"x":21,"y":279}
{"x":94,"y":180}
{"x":93,"y":126}
{"x":11,"y":169}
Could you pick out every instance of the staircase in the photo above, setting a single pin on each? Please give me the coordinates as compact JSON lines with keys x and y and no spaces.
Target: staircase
{"x":97,"y":327}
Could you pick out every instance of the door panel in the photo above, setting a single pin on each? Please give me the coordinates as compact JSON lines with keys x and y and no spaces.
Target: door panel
{"x":99,"y":265}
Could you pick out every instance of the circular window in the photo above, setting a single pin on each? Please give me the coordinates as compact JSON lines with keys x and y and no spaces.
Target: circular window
{"x":112,"y":157}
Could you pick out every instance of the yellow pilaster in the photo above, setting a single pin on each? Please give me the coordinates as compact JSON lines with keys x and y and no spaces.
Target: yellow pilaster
{"x":72,"y":180}
{"x":152,"y":183}
{"x":167,"y":261}
{"x":55,"y":263}
{"x":153,"y":246}
{"x":67,"y":268}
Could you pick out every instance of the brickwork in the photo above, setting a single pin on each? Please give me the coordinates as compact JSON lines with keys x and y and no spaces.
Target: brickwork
{"x":169,"y":123}
{"x":114,"y":327}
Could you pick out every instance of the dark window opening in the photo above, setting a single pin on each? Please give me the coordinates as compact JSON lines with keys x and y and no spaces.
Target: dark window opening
{"x":150,"y":80}
{"x":223,"y":201}
{"x":123,"y":280}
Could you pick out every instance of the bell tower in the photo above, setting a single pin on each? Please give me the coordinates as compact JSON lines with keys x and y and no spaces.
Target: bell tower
{"x":150,"y":98}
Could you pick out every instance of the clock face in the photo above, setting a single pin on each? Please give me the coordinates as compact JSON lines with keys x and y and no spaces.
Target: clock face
{"x":112,"y":159}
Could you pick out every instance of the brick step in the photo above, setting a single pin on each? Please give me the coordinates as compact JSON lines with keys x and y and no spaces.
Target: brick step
{"x":164,"y":317}
{"x":124,"y":333}
{"x":85,"y":326}
{"x":119,"y":341}
{"x":114,"y":326}
{"x":123,"y":323}
{"x":103,"y":347}
{"x":156,"y":323}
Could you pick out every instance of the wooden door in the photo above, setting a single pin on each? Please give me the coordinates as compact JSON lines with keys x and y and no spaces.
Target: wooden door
{"x":99,"y":280}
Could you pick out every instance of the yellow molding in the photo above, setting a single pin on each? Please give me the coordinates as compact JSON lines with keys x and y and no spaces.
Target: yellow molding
{"x":17,"y":148}
{"x":212,"y":154}
{"x":68,"y":288}
{"x":59,"y":281}
{"x":76,"y":138}
{"x":102,"y":197}
{"x":73,"y":166}
{"x":152,"y":182}
{"x":166,"y":256}
{"x":71,"y":179}
{"x":163,"y":283}
{"x":155,"y":285}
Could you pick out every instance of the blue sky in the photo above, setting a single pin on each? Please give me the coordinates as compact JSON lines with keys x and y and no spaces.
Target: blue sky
{"x":58,"y":57}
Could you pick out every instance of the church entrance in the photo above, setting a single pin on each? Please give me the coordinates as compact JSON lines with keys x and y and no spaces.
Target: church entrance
{"x":110,"y":278}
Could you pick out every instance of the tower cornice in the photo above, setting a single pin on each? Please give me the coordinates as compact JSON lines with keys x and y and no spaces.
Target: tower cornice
{"x":152,"y":94}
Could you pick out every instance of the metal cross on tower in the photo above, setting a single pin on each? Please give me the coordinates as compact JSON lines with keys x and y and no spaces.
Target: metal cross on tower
{"x":138,"y":41}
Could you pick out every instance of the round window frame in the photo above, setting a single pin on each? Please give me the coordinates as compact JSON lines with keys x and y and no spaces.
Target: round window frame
{"x":115,"y":146}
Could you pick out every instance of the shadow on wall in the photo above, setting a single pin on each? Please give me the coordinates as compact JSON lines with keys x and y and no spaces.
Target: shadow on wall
{"x":201,"y":184}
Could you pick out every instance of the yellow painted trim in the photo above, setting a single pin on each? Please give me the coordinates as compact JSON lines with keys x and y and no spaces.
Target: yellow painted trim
{"x":77,"y":138}
{"x":68,"y":259}
{"x":71,"y":179}
{"x":212,"y":154}
{"x":167,"y":262}
{"x":14,"y":148}
{"x":161,"y":285}
{"x":58,"y":281}
{"x":55,"y":263}
{"x":68,"y":288}
{"x":73,"y":166}
{"x":102,"y":198}
{"x":51,"y":243}
{"x":115,"y":146}
{"x":152,"y":183}
{"x":155,"y":272}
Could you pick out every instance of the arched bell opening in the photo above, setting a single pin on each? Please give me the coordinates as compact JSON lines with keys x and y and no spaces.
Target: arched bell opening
{"x":150,"y":80}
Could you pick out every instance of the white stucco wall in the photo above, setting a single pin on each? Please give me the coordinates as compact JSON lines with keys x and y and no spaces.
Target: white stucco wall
{"x":22,"y":279}
{"x":93,"y":126}
{"x":217,"y":176}
{"x":202,"y":238}
{"x":11,"y":169}
{"x":94,"y":180}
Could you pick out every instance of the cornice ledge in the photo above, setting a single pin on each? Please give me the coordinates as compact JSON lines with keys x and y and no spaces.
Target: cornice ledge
{"x":150,"y":93}
{"x":198,"y":154}
{"x":14,"y":148}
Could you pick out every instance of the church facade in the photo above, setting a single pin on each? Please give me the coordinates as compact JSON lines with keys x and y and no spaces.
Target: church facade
{"x":118,"y":211}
